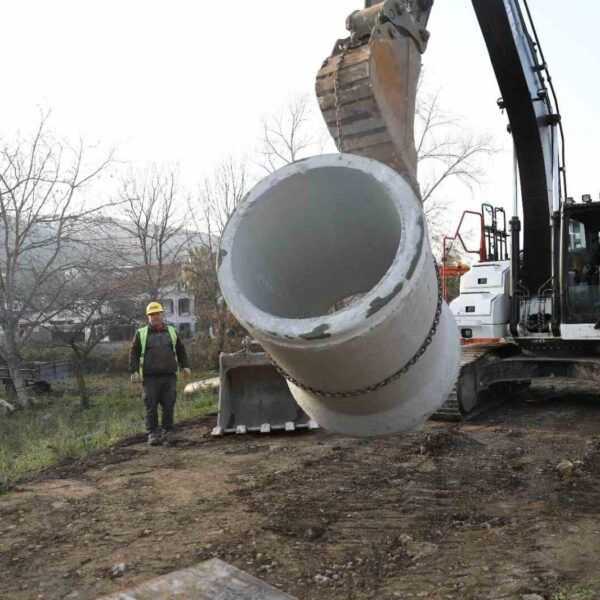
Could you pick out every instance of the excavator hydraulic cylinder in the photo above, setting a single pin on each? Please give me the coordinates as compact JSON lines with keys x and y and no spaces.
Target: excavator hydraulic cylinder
{"x":327,"y":263}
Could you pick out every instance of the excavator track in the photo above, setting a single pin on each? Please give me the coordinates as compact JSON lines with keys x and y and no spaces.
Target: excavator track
{"x":453,"y":409}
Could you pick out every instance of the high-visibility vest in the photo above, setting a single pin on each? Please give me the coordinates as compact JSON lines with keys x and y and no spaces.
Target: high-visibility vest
{"x":144,"y":339}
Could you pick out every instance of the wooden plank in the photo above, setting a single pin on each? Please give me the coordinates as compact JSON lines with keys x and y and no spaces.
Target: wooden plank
{"x":210,"y":580}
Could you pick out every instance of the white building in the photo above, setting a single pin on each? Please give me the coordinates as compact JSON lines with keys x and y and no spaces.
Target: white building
{"x":179,"y":309}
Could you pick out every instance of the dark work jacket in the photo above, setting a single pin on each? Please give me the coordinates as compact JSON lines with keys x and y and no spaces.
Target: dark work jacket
{"x":159,"y":358}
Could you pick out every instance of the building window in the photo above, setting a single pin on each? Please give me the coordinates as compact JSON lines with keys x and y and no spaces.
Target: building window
{"x":185,"y":330}
{"x":168,"y":306}
{"x":184,"y":306}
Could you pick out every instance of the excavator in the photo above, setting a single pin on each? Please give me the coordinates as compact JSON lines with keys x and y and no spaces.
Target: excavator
{"x":544,"y":302}
{"x":541,"y":305}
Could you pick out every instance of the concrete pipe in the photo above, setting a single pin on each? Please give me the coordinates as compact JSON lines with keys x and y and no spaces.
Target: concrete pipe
{"x":327,"y":263}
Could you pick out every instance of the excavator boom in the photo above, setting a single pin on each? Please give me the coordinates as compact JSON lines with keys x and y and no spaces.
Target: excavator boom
{"x":533,"y":122}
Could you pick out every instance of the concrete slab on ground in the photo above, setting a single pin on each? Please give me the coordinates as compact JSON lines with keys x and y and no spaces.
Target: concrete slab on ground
{"x":211,"y":580}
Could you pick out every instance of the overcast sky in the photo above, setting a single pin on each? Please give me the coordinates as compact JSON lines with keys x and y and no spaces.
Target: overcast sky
{"x":185,"y":82}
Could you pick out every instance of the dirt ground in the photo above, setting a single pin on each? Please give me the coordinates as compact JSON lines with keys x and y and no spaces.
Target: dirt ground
{"x":474,"y":511}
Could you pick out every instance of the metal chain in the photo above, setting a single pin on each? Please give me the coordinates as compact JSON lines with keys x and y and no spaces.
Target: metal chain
{"x":336,"y":83}
{"x":401,"y":371}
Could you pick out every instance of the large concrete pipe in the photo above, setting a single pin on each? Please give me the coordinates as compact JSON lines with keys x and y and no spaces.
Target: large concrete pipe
{"x":327,"y":263}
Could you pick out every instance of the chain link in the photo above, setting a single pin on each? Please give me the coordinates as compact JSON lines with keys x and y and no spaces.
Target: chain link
{"x":391,"y":378}
{"x":336,"y":84}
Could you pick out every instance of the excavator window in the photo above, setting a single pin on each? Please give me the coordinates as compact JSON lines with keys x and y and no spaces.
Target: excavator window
{"x":583,"y":263}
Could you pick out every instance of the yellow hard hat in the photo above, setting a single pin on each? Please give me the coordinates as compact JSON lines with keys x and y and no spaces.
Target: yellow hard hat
{"x":154,"y":307}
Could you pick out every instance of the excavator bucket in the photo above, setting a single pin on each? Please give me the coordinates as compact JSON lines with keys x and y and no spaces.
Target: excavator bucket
{"x":254,"y":397}
{"x":368,"y":86}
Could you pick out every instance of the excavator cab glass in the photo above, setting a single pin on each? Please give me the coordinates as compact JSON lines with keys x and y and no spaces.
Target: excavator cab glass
{"x":583,"y":263}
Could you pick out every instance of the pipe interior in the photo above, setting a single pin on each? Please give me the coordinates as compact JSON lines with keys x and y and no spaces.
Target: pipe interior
{"x":313,"y":240}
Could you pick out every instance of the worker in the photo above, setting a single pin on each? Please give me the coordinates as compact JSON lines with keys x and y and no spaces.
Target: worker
{"x":157,"y":354}
{"x":593,"y":277}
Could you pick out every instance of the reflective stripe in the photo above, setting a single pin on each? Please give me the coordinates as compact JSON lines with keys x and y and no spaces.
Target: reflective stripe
{"x":144,"y":339}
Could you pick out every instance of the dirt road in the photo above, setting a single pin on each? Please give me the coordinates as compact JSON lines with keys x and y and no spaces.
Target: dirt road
{"x":471,"y":512}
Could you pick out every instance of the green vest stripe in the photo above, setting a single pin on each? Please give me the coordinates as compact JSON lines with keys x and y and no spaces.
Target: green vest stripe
{"x":144,"y":339}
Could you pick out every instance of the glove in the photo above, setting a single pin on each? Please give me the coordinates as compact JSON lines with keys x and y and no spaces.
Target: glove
{"x":135,"y":377}
{"x":186,"y":373}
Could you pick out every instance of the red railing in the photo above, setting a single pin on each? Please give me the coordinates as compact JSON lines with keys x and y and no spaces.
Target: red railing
{"x":448,"y":271}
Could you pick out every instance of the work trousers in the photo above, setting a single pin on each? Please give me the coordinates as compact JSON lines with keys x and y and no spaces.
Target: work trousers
{"x":161,"y":389}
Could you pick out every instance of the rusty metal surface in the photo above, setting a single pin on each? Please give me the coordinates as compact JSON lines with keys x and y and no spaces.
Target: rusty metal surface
{"x":210,"y":580}
{"x":367,"y":88}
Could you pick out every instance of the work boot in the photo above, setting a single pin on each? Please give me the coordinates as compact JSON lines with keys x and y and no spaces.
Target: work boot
{"x":170,"y":439}
{"x":153,"y":439}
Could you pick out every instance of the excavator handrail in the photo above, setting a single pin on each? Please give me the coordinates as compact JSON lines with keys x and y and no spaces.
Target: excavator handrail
{"x":481,"y":252}
{"x":457,"y":236}
{"x":563,"y":167}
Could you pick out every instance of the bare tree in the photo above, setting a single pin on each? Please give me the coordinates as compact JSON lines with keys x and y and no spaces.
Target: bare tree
{"x":447,"y":152}
{"x":219,"y":195}
{"x":87,"y":318}
{"x":291,"y":133}
{"x":43,"y":225}
{"x":155,"y":225}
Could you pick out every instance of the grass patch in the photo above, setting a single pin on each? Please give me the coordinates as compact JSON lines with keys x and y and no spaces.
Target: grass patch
{"x":57,"y":429}
{"x":589,"y":590}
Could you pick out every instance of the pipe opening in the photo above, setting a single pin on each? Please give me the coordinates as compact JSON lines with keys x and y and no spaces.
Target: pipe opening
{"x":315,"y":239}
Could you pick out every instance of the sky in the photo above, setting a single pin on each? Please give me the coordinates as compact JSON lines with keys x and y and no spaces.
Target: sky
{"x":187,"y":82}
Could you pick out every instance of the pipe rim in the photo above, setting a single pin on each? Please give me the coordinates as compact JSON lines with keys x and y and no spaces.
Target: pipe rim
{"x":395,"y":283}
